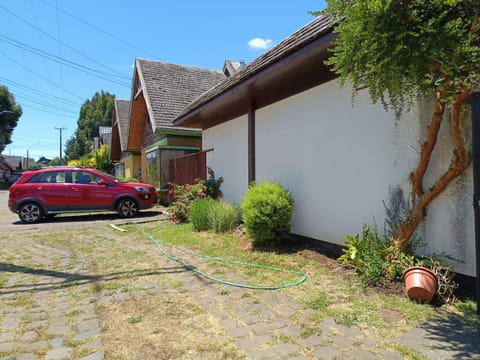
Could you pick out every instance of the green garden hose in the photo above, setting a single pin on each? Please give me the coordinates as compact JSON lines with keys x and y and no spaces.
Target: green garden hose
{"x":161,"y":246}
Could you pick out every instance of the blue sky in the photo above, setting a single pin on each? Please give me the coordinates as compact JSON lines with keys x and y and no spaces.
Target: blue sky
{"x":56,"y":54}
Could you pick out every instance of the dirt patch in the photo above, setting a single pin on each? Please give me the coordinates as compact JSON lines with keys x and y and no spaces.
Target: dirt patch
{"x":167,"y":326}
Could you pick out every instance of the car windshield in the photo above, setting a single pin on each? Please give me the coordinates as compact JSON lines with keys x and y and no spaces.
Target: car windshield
{"x":111,"y":177}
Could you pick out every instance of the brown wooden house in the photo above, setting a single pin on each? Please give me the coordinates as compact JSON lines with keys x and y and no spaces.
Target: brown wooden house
{"x":160,"y":92}
{"x":127,"y":164}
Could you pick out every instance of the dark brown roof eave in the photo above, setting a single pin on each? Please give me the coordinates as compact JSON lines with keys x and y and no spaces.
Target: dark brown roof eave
{"x":297,"y":72}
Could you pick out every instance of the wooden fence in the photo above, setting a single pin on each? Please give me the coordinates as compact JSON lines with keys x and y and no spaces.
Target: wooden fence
{"x":185,"y":169}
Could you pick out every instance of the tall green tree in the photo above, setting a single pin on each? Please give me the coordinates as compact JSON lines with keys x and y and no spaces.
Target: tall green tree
{"x":94,"y":113}
{"x":10,"y":112}
{"x":405,"y":49}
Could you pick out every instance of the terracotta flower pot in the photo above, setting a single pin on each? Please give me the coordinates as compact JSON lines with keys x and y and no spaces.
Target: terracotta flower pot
{"x":420,"y":283}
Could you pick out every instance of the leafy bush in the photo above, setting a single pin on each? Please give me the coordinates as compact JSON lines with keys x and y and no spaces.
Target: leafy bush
{"x":199,"y":214}
{"x":267,"y":212}
{"x":184,"y":196}
{"x":222,"y":216}
{"x":212,"y":185}
{"x":366,"y":253}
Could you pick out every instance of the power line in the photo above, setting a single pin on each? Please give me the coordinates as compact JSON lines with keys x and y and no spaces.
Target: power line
{"x":99,"y":29}
{"x":61,"y":42}
{"x":85,"y":69}
{"x":40,"y":76}
{"x":38,"y":92}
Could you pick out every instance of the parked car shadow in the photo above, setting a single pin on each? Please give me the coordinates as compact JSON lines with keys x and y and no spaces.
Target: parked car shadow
{"x":143,"y":216}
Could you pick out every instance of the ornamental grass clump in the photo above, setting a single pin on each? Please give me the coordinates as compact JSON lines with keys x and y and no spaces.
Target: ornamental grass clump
{"x":208,"y":214}
{"x":198,"y":214}
{"x":267,"y":211}
{"x":223,"y":216}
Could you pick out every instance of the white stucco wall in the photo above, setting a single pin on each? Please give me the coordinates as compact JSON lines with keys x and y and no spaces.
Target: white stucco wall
{"x":229,"y":158}
{"x":342,"y":162}
{"x":336,"y":159}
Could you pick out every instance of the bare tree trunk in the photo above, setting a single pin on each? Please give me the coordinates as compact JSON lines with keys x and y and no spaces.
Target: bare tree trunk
{"x":458,"y":164}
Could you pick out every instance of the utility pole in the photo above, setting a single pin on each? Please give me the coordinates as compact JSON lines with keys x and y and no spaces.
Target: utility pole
{"x":60,"y":129}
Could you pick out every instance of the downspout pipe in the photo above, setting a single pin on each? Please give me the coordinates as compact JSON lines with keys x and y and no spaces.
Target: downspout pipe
{"x":475,"y":104}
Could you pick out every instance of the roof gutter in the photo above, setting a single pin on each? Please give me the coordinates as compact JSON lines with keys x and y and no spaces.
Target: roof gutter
{"x":314,"y":49}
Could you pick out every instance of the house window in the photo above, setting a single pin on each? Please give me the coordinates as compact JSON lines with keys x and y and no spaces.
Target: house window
{"x":153,"y":168}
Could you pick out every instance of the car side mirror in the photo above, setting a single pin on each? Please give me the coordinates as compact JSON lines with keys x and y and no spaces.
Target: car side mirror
{"x":101,"y":182}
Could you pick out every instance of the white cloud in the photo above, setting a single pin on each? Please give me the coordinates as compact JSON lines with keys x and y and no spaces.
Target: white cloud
{"x":259,"y":43}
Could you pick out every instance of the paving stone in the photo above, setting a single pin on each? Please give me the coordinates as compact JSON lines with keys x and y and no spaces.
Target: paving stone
{"x":58,"y":330}
{"x":327,"y":353}
{"x":261,"y":328}
{"x":26,"y":356}
{"x":361,"y":354}
{"x":87,"y":334}
{"x":7,"y":346}
{"x":285,"y":349}
{"x":59,"y":353}
{"x":386,"y":355}
{"x":239,"y":332}
{"x":11,"y":324}
{"x":88,"y":325}
{"x":29,"y":336}
{"x":341,"y":341}
{"x":57,"y":342}
{"x":99,"y":355}
{"x":8,"y":336}
{"x":312,"y":341}
{"x":291,"y":331}
{"x":34,"y":346}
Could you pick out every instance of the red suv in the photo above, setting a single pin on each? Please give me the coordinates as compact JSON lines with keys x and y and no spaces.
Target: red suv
{"x":54,"y":190}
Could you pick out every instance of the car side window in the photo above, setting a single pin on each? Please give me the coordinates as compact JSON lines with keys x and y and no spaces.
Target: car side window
{"x":84,"y":177}
{"x":51,"y":177}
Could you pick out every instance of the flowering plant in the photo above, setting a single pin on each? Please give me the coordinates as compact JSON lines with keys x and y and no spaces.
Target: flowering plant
{"x":183,"y":196}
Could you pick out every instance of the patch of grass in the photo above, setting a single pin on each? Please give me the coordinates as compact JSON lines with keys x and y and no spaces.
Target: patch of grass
{"x":135,"y":319}
{"x":317,"y":300}
{"x":20,"y":300}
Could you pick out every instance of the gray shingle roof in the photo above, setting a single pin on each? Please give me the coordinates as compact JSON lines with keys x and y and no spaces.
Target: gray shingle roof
{"x":122,"y":110}
{"x":170,"y":88}
{"x":318,"y":27}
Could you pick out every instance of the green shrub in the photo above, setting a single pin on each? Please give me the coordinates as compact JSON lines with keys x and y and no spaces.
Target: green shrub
{"x":222,"y":216}
{"x":267,"y":212}
{"x":367,"y":253}
{"x":199,"y":214}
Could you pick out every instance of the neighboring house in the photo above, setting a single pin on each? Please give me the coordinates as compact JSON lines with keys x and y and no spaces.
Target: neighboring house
{"x":43,"y":160}
{"x":6,"y":169}
{"x":104,"y":137}
{"x":127,"y":164}
{"x":285,"y":118}
{"x":160,"y":92}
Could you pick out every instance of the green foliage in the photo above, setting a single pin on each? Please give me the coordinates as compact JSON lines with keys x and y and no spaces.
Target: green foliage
{"x":366,"y":253}
{"x":9,"y":117}
{"x":94,"y":113}
{"x":404,"y":49}
{"x":209,"y":214}
{"x":213,"y":185}
{"x":267,"y":212}
{"x":223,"y":216}
{"x":199,"y":214}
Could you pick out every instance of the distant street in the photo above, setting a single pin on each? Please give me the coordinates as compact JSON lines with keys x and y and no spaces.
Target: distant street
{"x":10,"y":221}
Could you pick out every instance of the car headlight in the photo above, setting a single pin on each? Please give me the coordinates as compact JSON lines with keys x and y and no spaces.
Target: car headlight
{"x":142,"y":189}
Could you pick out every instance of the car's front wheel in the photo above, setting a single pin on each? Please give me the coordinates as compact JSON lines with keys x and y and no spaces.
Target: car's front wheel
{"x":127,"y":208}
{"x":30,"y":213}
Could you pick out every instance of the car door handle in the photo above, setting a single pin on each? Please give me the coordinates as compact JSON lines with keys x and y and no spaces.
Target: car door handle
{"x":75,"y":189}
{"x":39,"y":187}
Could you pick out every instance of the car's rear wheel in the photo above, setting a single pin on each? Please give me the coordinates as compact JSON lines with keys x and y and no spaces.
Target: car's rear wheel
{"x":127,"y":208}
{"x":30,"y":213}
